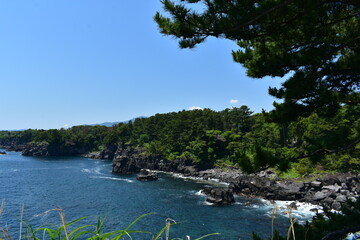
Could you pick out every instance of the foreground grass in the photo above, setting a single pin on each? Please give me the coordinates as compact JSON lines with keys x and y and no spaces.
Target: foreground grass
{"x":67,"y":231}
{"x":332,"y":226}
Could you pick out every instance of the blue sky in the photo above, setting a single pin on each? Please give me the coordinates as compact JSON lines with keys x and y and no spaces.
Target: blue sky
{"x":71,"y":62}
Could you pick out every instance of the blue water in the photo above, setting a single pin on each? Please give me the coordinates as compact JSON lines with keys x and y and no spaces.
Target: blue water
{"x":86,"y":187}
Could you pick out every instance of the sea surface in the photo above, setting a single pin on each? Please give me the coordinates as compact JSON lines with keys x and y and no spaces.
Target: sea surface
{"x":86,"y":187}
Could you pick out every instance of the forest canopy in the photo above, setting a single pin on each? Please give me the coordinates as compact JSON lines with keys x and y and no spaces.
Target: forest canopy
{"x":234,"y":137}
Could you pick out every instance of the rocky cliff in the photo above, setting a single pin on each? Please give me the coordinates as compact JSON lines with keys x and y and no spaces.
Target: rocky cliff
{"x":329,"y":191}
{"x":128,"y":159}
{"x":44,"y":149}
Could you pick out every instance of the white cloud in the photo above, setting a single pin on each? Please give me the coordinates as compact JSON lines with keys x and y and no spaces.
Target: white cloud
{"x":234,"y":101}
{"x":195,"y":108}
{"x":66,"y":126}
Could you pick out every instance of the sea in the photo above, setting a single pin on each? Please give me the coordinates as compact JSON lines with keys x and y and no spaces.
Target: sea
{"x":34,"y":190}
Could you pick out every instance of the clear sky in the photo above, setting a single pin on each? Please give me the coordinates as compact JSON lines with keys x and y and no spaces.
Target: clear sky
{"x":72,"y":62}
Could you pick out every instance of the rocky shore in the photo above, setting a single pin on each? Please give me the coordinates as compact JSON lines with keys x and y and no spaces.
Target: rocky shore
{"x":329,"y":191}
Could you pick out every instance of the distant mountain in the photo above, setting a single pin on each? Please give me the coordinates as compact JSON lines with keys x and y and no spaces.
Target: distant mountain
{"x":110,"y":124}
{"x":107,"y":124}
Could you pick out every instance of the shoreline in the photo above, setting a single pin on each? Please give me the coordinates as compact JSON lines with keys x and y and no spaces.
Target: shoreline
{"x":329,"y":191}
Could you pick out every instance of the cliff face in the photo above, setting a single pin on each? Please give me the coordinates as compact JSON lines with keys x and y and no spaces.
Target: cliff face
{"x":44,"y":149}
{"x":128,"y":159}
{"x":13,"y":144}
{"x":131,"y":160}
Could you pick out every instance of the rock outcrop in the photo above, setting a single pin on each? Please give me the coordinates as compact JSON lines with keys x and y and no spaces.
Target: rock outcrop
{"x":128,"y":159}
{"x":147,"y":175}
{"x":45,"y":149}
{"x":329,"y":192}
{"x":219,"y":196}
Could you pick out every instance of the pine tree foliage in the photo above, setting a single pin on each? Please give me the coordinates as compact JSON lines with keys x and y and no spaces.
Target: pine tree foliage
{"x":314,"y":44}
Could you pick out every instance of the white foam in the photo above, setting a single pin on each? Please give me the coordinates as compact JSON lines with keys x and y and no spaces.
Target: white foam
{"x":200,"y":193}
{"x":353,"y":236}
{"x":304,"y":211}
{"x":198,"y":179}
{"x":86,"y":170}
{"x":91,"y":170}
{"x":115,"y":179}
{"x":206,"y":203}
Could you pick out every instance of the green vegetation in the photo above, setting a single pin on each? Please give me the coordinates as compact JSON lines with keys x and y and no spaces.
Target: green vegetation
{"x":74,"y":230}
{"x":314,"y":44}
{"x":328,"y":226}
{"x":232,"y":137}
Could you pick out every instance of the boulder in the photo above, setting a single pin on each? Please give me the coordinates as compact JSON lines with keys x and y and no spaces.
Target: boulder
{"x":316,"y":184}
{"x":147,"y":175}
{"x":336,"y":206}
{"x":340,"y":198}
{"x":327,"y":203}
{"x":335,"y":187}
{"x":292,"y":206}
{"x":2,"y":153}
{"x":219,"y":196}
{"x":319,"y":196}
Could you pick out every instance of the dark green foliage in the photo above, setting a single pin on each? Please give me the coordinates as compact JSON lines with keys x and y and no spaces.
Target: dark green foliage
{"x":315,"y":46}
{"x":229,"y":137}
{"x":313,"y":43}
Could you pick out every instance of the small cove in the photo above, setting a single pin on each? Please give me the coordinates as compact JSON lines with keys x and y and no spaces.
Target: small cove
{"x":85,"y":187}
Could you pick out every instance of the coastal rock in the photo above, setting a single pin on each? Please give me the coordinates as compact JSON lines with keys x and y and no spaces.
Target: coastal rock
{"x":316,"y":184}
{"x":292,"y":206}
{"x":335,"y":188}
{"x":147,"y":175}
{"x":319,"y":196}
{"x":46,"y":149}
{"x":341,"y":198}
{"x":219,"y":196}
{"x":128,"y":159}
{"x":336,"y":206}
{"x":327,"y":203}
{"x":36,"y":150}
{"x":2,"y":153}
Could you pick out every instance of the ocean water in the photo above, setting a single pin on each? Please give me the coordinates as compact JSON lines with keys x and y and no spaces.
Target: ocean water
{"x":86,"y":187}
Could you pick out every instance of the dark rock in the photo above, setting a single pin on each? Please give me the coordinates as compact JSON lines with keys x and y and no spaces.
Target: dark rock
{"x":46,"y":149}
{"x":246,"y":191}
{"x":2,"y":153}
{"x":336,"y":206}
{"x":327,"y":203}
{"x":340,"y":198}
{"x":344,"y":186}
{"x":316,"y":184}
{"x":332,"y":194}
{"x":267,"y":174}
{"x":319,"y":196}
{"x":353,"y":199}
{"x":292,"y":206}
{"x":335,"y":188}
{"x":147,"y":175}
{"x":331,"y":180}
{"x":128,"y":159}
{"x":345,"y":192}
{"x":219,"y":196}
{"x":94,"y":155}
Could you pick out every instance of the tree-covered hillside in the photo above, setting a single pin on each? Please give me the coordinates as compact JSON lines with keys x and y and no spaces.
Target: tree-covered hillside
{"x":232,"y":137}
